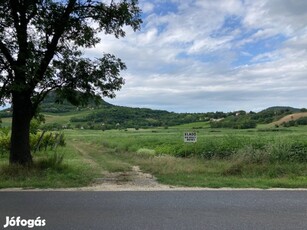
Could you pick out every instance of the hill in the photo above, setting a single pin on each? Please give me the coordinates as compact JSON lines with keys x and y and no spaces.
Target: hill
{"x":281,"y":108}
{"x":50,"y":105}
{"x":272,"y":114}
{"x":103,"y":115}
{"x":290,"y":118}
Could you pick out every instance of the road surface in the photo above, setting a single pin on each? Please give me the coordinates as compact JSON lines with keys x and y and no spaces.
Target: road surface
{"x":158,"y":210}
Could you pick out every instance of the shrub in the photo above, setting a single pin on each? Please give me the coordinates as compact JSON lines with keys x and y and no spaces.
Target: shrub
{"x":300,"y":121}
{"x":4,"y":143}
{"x":144,"y":151}
{"x":49,"y":139}
{"x":235,"y":122}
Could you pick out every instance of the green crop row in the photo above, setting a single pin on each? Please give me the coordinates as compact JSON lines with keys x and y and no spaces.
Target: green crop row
{"x":38,"y":141}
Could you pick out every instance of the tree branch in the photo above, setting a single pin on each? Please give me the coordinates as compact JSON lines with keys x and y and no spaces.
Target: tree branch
{"x":51,"y":48}
{"x":6,"y":53}
{"x":3,"y":89}
{"x":41,"y":96}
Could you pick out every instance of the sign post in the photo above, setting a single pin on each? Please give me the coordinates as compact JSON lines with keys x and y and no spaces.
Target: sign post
{"x":190,"y":137}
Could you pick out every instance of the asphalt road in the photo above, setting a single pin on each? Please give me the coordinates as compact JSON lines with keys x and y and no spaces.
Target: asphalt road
{"x":158,"y":210}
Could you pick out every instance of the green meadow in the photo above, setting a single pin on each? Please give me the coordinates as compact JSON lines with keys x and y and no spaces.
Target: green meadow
{"x":264,"y":157}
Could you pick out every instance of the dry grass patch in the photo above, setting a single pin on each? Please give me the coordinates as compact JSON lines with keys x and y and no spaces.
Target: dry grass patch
{"x":290,"y":117}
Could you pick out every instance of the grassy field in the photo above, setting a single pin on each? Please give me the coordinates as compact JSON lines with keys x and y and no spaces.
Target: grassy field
{"x":260,"y":158}
{"x":48,"y":171}
{"x":221,"y":158}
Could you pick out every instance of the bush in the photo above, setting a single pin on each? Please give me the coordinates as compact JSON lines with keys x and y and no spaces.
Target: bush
{"x":49,"y":139}
{"x":235,"y":122}
{"x":52,"y":126}
{"x":300,"y":121}
{"x":4,"y":143}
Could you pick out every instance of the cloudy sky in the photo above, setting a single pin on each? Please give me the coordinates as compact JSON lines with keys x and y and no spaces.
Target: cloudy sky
{"x":214,"y":55}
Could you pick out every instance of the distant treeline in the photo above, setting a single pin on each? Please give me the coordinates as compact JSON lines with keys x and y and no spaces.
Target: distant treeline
{"x":235,"y":122}
{"x":243,"y":120}
{"x":108,"y":116}
{"x":125,"y":117}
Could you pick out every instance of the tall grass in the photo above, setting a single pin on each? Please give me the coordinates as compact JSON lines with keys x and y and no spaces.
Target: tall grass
{"x":51,"y":168}
{"x":248,"y":158}
{"x":272,"y":146}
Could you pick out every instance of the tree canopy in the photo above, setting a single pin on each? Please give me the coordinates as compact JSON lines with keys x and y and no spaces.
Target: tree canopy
{"x":40,"y":44}
{"x":40,"y":40}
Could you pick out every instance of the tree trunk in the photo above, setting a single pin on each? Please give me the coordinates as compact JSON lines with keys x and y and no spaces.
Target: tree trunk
{"x":20,"y":138}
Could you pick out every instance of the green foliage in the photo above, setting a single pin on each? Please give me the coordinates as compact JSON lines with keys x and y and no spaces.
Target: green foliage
{"x":253,"y":146}
{"x":112,"y":117}
{"x":55,"y":104}
{"x":54,"y":161}
{"x":52,"y":126}
{"x":300,"y":121}
{"x":40,"y":51}
{"x":4,"y":140}
{"x":34,"y":126}
{"x":235,"y":122}
{"x":105,"y":116}
{"x":61,"y":27}
{"x":50,"y":169}
{"x":228,"y":158}
{"x":272,"y":114}
{"x":147,"y":152}
{"x":241,"y":120}
{"x":48,"y":140}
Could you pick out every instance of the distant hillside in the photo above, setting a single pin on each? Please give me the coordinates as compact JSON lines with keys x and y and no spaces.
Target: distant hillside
{"x":107,"y":116}
{"x":272,"y":114}
{"x":290,"y":118}
{"x":49,"y":105}
{"x":126,"y":117}
{"x":241,"y":120}
{"x":282,"y":108}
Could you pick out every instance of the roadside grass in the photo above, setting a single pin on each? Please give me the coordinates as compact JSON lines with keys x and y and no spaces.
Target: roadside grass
{"x":104,"y":159}
{"x":196,"y":172}
{"x":61,"y":169}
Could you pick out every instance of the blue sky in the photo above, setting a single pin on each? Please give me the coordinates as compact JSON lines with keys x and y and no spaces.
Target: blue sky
{"x":214,"y":55}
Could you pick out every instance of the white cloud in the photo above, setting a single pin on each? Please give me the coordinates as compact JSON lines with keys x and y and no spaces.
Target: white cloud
{"x":147,"y":7}
{"x":183,"y":58}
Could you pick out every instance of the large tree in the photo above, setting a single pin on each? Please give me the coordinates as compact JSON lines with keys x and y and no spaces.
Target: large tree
{"x":40,"y":43}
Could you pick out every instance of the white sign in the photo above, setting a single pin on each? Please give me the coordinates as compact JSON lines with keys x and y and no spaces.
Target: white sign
{"x":190,"y":137}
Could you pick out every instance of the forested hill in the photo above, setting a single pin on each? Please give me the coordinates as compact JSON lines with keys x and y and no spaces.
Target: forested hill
{"x":125,"y":117}
{"x":50,"y":105}
{"x":107,"y":116}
